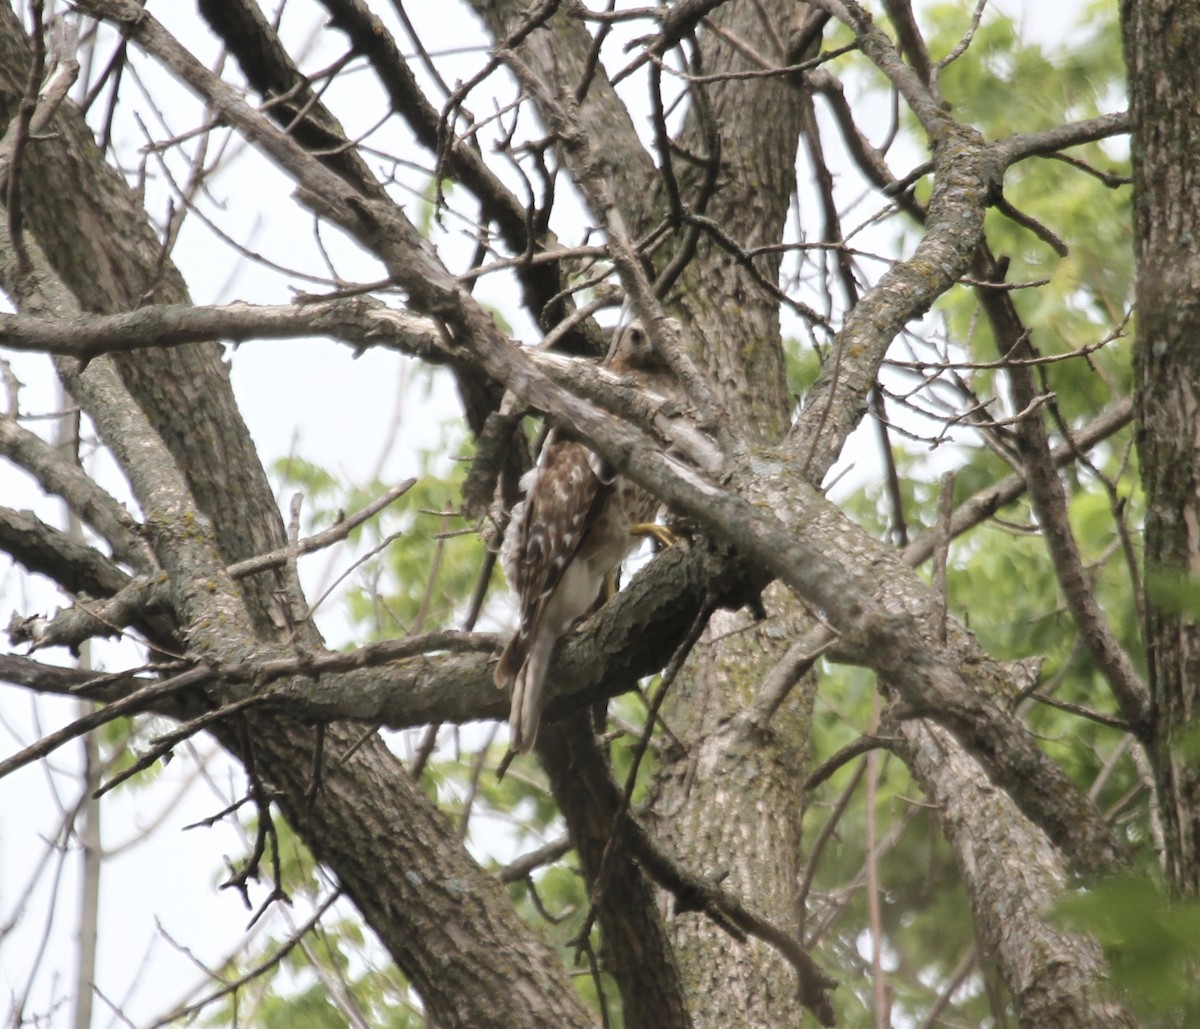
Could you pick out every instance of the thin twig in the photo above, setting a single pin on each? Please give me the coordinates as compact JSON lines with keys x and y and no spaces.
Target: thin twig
{"x":335,"y":533}
{"x":166,"y":743}
{"x":285,"y":948}
{"x":131,"y":704}
{"x":780,"y":680}
{"x":523,"y":866}
{"x":866,"y":743}
{"x":820,"y":843}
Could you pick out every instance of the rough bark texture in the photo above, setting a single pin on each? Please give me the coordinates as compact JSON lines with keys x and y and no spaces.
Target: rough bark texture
{"x":733,"y":321}
{"x":1013,"y":880}
{"x":732,"y":800}
{"x":447,"y":924}
{"x":732,"y":328}
{"x":635,"y":948}
{"x":108,"y":254}
{"x":1161,"y":41}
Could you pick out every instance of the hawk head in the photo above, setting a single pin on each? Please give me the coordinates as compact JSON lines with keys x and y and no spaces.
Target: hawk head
{"x":635,"y":354}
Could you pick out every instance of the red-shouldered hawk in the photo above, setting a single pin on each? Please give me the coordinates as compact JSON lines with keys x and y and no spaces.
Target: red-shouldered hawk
{"x":571,"y":530}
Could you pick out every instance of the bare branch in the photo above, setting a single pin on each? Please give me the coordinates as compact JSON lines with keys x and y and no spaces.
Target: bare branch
{"x":966,"y":174}
{"x":983,"y":504}
{"x":258,"y":971}
{"x":693,"y":893}
{"x":544,"y":855}
{"x":356,"y":321}
{"x":318,"y":541}
{"x":65,"y":478}
{"x":135,"y":604}
{"x":42,"y":548}
{"x":1061,"y":137}
{"x":133,"y":703}
{"x":1050,"y":503}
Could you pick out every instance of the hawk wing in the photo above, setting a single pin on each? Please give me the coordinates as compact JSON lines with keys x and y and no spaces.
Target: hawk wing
{"x":565,"y":497}
{"x":571,"y":530}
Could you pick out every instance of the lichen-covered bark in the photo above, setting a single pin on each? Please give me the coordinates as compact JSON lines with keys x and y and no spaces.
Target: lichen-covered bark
{"x":1161,"y":42}
{"x":1013,"y":878}
{"x":732,"y":801}
{"x":734,"y":322}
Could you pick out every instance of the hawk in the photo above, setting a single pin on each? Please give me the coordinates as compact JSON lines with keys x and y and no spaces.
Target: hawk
{"x":579,"y":520}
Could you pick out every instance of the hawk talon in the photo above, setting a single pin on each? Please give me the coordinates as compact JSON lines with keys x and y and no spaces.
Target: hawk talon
{"x":652,"y":530}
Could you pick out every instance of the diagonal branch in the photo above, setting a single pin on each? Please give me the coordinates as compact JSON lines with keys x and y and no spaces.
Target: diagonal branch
{"x":987,"y":501}
{"x":694,"y":893}
{"x":1014,"y":880}
{"x":637,"y":948}
{"x":559,"y":59}
{"x":66,"y":479}
{"x":144,"y":602}
{"x":133,"y":703}
{"x":42,"y":548}
{"x":966,"y":173}
{"x":183,"y":1013}
{"x":1047,"y":496}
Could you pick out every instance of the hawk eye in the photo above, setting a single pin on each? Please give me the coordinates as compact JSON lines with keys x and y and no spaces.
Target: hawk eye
{"x":636,"y":335}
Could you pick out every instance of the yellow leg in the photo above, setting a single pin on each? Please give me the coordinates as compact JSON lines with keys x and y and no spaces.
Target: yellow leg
{"x":660,"y":533}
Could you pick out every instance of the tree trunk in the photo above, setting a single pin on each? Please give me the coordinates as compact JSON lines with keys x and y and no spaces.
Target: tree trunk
{"x":1162,"y":38}
{"x":732,"y":801}
{"x":728,"y":797}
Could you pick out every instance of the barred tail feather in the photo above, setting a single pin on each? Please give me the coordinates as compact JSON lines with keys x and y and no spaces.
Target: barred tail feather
{"x":528,"y":697}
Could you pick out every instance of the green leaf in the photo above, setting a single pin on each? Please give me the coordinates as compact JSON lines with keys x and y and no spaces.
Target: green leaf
{"x":1151,"y":941}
